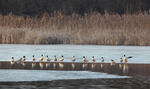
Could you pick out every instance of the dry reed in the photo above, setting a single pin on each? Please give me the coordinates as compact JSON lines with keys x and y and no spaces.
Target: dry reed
{"x":92,"y":28}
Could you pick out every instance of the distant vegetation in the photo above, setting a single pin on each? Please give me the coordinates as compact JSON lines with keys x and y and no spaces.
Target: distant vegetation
{"x":101,"y":22}
{"x":38,"y":7}
{"x":92,"y":28}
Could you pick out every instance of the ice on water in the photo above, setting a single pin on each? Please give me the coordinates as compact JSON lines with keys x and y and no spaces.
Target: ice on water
{"x":140,"y":54}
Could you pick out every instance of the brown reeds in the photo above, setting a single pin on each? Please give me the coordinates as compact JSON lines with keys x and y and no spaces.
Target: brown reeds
{"x":92,"y":28}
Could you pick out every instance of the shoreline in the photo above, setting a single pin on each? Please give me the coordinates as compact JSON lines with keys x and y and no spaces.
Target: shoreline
{"x":75,"y":45}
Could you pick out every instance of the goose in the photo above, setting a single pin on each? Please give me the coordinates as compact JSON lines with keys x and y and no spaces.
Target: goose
{"x":102,"y":60}
{"x":41,"y":58}
{"x":73,"y":59}
{"x":12,"y":61}
{"x":33,"y":58}
{"x":84,"y":59}
{"x":24,"y":59}
{"x":93,"y":59}
{"x":121,"y":65}
{"x":125,"y":59}
{"x":48,"y":59}
{"x":55,"y":59}
{"x":112,"y":63}
{"x":61,"y":59}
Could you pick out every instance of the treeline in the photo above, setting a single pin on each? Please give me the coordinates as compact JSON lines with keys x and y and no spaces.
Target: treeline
{"x":38,"y":7}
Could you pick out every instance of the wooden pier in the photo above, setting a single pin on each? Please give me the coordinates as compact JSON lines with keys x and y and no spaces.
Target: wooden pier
{"x":129,"y":69}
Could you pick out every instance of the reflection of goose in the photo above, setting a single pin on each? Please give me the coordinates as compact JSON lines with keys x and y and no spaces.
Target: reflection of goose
{"x":47,"y":65}
{"x":125,"y":68}
{"x":33,"y":65}
{"x":102,"y":66}
{"x":23,"y":64}
{"x":12,"y":61}
{"x":61,"y":65}
{"x":120,"y":66}
{"x":54,"y":65}
{"x":84,"y":66}
{"x":73,"y":66}
{"x":41,"y":65}
{"x":93,"y":66}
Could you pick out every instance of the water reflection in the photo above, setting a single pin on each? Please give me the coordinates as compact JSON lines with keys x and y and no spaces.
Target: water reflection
{"x":54,"y":65}
{"x":12,"y":62}
{"x":33,"y":65}
{"x":41,"y":65}
{"x":102,"y":66}
{"x":93,"y":65}
{"x":125,"y":68}
{"x":23,"y":64}
{"x":84,"y":66}
{"x":73,"y":66}
{"x":121,"y":68}
{"x":47,"y":65}
{"x":61,"y":65}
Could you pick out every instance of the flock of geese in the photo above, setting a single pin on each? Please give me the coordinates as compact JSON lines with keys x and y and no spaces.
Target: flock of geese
{"x":23,"y":59}
{"x":123,"y":62}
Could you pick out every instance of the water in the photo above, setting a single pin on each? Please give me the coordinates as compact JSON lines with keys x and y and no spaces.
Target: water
{"x":140,"y":54}
{"x":47,"y":75}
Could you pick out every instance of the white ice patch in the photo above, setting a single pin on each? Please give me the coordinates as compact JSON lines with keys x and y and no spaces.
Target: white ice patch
{"x":47,"y":75}
{"x":140,"y":54}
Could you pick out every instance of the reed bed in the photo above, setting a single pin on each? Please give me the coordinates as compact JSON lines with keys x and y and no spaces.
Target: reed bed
{"x":91,"y":28}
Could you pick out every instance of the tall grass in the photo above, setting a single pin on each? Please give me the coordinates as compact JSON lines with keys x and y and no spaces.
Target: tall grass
{"x":92,"y":28}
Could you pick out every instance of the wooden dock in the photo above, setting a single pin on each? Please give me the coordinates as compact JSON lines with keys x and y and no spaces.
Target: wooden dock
{"x":129,"y":69}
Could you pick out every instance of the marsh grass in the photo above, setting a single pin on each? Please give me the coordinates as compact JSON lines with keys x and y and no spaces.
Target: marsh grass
{"x":92,"y":28}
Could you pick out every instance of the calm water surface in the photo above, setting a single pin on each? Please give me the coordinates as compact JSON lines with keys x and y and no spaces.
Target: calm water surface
{"x":140,"y":54}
